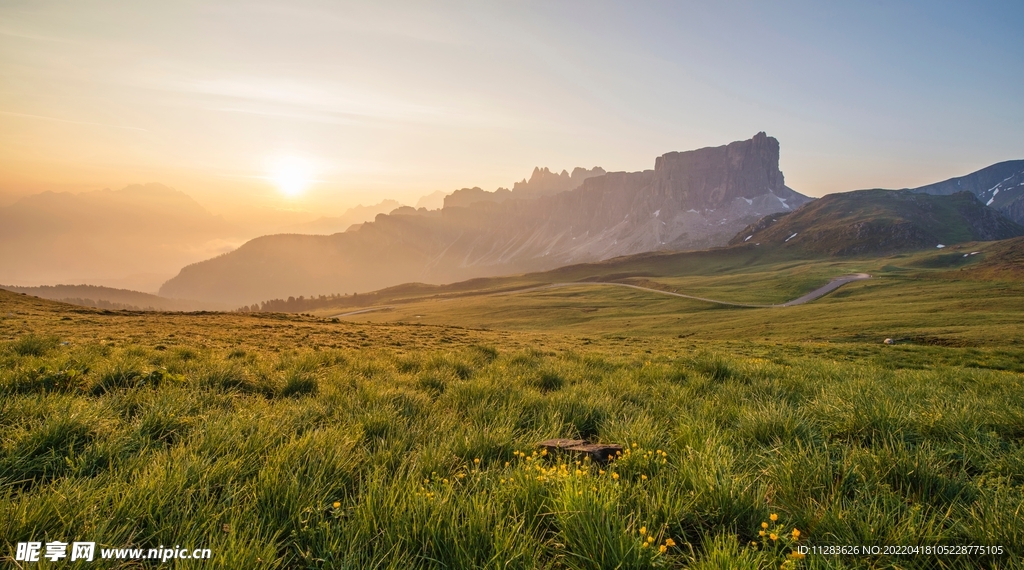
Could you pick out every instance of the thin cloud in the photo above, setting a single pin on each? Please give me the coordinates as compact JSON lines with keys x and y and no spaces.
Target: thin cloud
{"x":26,"y":115}
{"x":329,"y":103}
{"x":35,"y":37}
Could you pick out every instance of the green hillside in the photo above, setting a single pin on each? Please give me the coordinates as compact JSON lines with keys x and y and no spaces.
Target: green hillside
{"x":937,"y":297}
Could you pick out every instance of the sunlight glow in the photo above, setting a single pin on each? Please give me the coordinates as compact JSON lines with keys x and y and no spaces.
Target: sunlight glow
{"x":292,"y":175}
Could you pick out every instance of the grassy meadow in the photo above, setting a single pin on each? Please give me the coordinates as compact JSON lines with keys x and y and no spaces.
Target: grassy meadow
{"x":301,"y":441}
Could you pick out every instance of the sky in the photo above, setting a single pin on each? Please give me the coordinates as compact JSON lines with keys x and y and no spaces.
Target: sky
{"x":312,"y":107}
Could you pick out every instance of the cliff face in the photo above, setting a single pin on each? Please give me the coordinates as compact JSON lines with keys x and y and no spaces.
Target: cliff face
{"x":713,"y":177}
{"x":690,"y":200}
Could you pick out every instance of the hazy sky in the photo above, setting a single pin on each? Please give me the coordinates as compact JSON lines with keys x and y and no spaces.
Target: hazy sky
{"x":234,"y":102}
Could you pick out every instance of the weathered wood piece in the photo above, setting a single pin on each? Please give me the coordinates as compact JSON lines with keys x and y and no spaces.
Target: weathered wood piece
{"x":598,"y":452}
{"x":559,"y":444}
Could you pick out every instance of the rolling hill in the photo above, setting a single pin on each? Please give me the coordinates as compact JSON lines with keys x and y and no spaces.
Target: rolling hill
{"x":110,"y":298}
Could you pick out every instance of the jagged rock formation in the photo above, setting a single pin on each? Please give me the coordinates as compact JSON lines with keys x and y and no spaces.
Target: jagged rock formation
{"x":690,"y":200}
{"x":542,"y":182}
{"x":1000,"y":186}
{"x":879,"y":222}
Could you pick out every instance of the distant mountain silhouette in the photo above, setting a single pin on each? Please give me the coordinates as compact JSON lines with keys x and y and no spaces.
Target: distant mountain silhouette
{"x":690,"y":200}
{"x":872,"y":222}
{"x":354,"y":215}
{"x":141,"y":234}
{"x":1000,"y":186}
{"x":432,"y":201}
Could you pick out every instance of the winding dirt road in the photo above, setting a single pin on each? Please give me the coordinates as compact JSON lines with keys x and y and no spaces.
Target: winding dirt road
{"x":360,"y":311}
{"x":819,"y":292}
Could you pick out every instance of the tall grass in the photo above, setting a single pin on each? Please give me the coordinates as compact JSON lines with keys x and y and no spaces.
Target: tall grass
{"x":425,"y":458}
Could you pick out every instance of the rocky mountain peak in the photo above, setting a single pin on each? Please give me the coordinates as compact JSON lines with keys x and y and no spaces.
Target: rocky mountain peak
{"x":715,"y":176}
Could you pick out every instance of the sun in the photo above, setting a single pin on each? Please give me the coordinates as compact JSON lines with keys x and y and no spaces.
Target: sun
{"x":292,"y":175}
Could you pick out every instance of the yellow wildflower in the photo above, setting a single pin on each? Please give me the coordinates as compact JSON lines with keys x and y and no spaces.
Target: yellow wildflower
{"x":760,"y":533}
{"x":476,"y":461}
{"x":796,"y":533}
{"x":615,"y":475}
{"x":337,"y":505}
{"x":764,"y":525}
{"x":669,"y":542}
{"x":773,"y":536}
{"x":774,"y":517}
{"x":662,"y":548}
{"x":797,"y":555}
{"x":643,"y":477}
{"x":643,"y":530}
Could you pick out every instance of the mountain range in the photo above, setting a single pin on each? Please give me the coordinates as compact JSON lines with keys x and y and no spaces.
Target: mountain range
{"x":728,"y":195}
{"x":690,"y":200}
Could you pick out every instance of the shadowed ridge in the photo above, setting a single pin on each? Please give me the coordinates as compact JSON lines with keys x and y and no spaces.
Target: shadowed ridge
{"x":880,"y":222}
